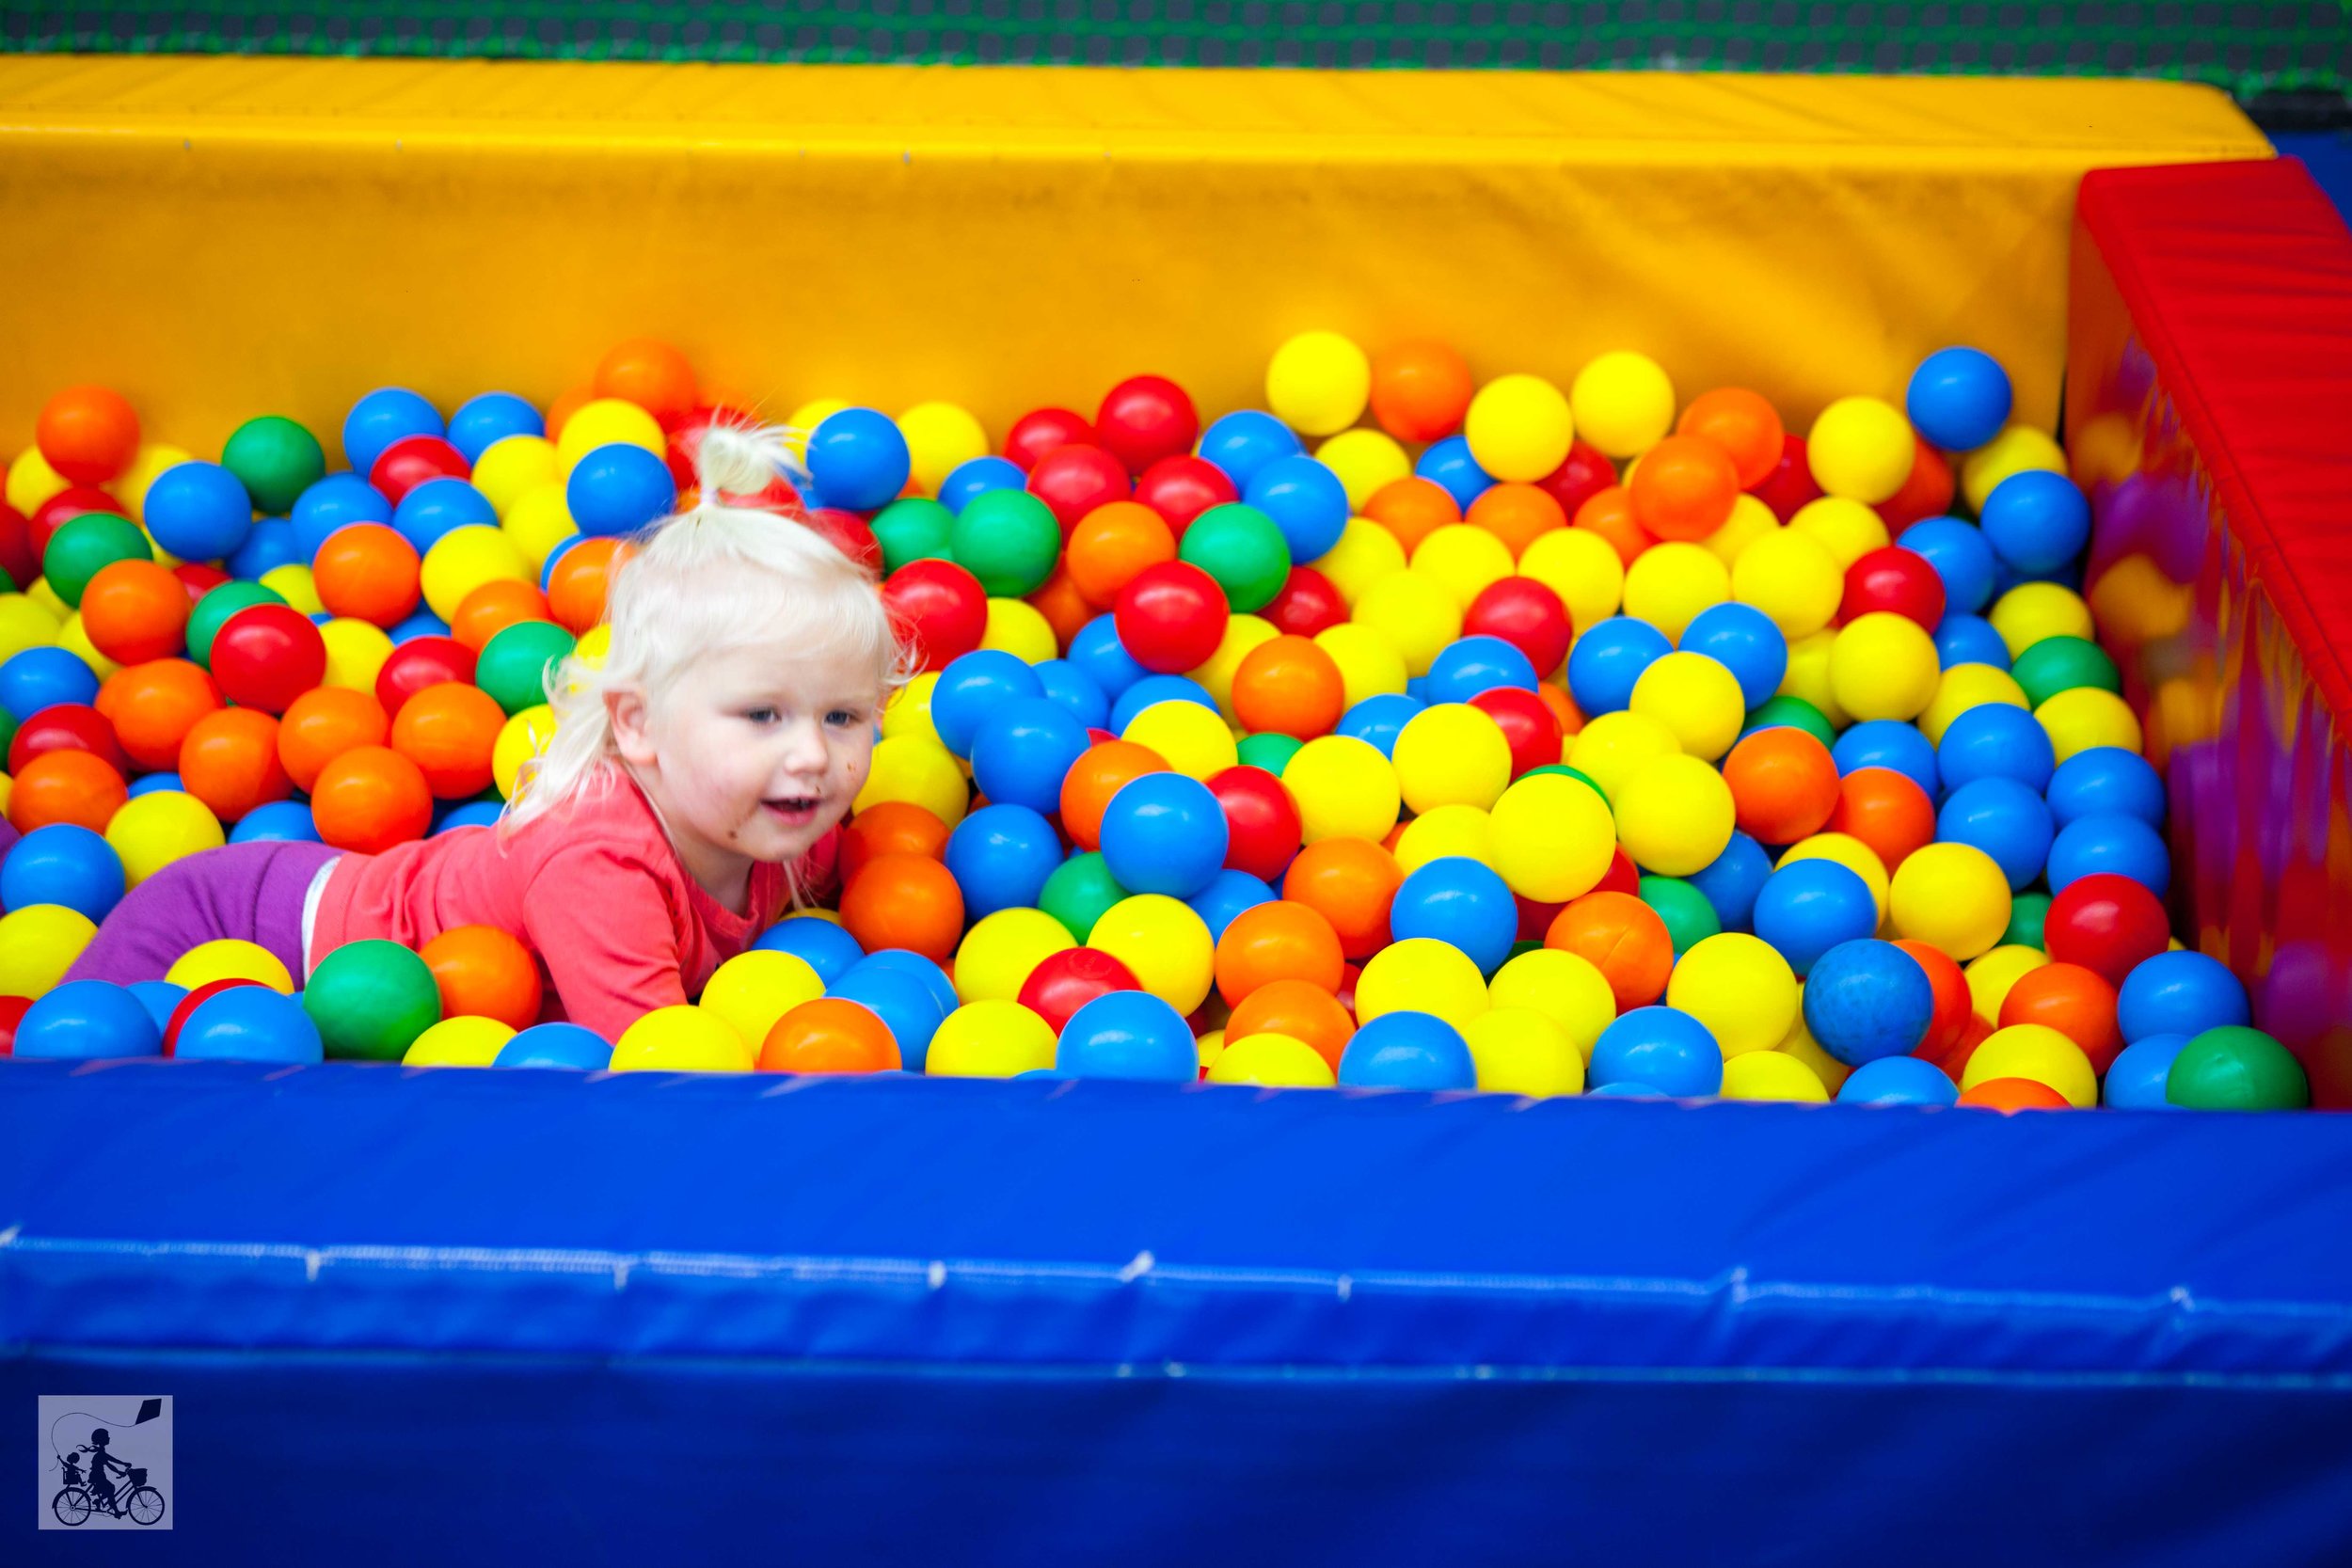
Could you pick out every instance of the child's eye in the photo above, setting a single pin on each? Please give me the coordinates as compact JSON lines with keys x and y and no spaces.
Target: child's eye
{"x":842,"y":718}
{"x":761,"y":714}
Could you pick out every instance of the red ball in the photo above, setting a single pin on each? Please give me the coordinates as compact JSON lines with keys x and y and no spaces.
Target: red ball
{"x":1528,"y":615}
{"x":1145,"y":419}
{"x":1042,"y":430}
{"x":940,"y":609}
{"x":846,"y":532}
{"x":61,"y":509}
{"x":1171,"y":616}
{"x":1068,"y":980}
{"x":185,"y":1009}
{"x":1261,"y":825}
{"x":2106,"y":923}
{"x":201,"y":579}
{"x":1894,"y":579}
{"x":17,"y":555}
{"x":1585,"y":474}
{"x":1925,"y":493}
{"x":67,"y":727}
{"x":417,"y":663}
{"x":1526,"y":721}
{"x":11,"y":1014}
{"x":1790,"y":485}
{"x":1074,"y":480}
{"x":1182,"y":488}
{"x":1621,"y":876}
{"x":267,"y":655}
{"x":1307,"y":604}
{"x":413,"y":459}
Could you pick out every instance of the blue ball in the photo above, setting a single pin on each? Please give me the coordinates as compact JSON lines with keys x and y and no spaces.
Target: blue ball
{"x":1021,"y":749}
{"x":1449,"y":465}
{"x":2102,"y":841}
{"x":1608,"y":658}
{"x":63,"y":864}
{"x":901,"y":1000}
{"x":1629,"y":1091}
{"x":249,"y":1023}
{"x":1075,"y":691}
{"x":2179,"y":993}
{"x":2037,"y":521}
{"x":1164,"y":833}
{"x":158,"y":783}
{"x":1128,"y":1034}
{"x":1962,"y":557}
{"x":1417,"y":688}
{"x":1662,"y":1046}
{"x":483,"y":421}
{"x":1897,"y":1081}
{"x":1808,"y":907}
{"x":1732,"y":880}
{"x":971,"y":687}
{"x":199,"y":510}
{"x":827,"y":948}
{"x":1959,"y":398}
{"x":1867,"y":999}
{"x":1965,"y":639}
{"x":859,"y":459}
{"x":556,"y":1045}
{"x":2004,"y":818}
{"x":1103,"y":658}
{"x":1227,"y":894}
{"x":161,"y":999}
{"x":1000,"y":856}
{"x":281,"y":822}
{"x":87,"y":1020}
{"x":467,"y":814}
{"x":44,"y":676}
{"x":562,"y":547}
{"x":387,"y":415}
{"x":440,"y":507}
{"x":976,"y":475}
{"x":2107,"y":780}
{"x":1246,"y":441}
{"x":1306,"y":501}
{"x":421,"y":623}
{"x":1743,"y":640}
{"x":1377,"y":719}
{"x":1408,"y":1051}
{"x":1993,"y":740}
{"x":1156,"y":689}
{"x":335,"y":502}
{"x":1469,"y":665}
{"x":2135,"y":1080}
{"x":1889,"y":743}
{"x":617,"y":489}
{"x":901,"y":961}
{"x":270,"y":543}
{"x":1462,"y":903}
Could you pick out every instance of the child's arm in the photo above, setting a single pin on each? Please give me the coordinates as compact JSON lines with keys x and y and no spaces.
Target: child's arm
{"x":603,"y":924}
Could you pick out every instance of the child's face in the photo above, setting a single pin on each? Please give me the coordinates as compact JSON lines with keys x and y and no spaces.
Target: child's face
{"x":752,"y":755}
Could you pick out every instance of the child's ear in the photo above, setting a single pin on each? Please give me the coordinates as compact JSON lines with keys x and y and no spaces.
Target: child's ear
{"x":624,"y":710}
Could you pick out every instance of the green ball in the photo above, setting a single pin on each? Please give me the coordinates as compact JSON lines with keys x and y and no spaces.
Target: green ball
{"x":1567,"y":772}
{"x":2058,"y":664}
{"x":1242,"y":548}
{"x":2026,"y":912}
{"x":1079,"y":892}
{"x":1269,"y":751}
{"x":513,"y":666}
{"x":1690,"y":918}
{"x":2236,"y":1068}
{"x":213,"y":610}
{"x":370,"y":1000}
{"x":1008,"y":539}
{"x":913,"y":529}
{"x":7,"y":731}
{"x":85,"y":546}
{"x":1796,"y":713}
{"x":276,"y":460}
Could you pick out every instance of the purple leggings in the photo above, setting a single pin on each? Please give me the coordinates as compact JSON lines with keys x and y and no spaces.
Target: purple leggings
{"x":251,"y":892}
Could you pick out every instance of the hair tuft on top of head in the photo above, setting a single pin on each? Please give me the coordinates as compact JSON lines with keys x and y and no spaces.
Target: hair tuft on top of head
{"x":734,"y":461}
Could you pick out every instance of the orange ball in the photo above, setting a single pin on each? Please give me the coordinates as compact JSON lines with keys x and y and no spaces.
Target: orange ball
{"x":892,"y":827}
{"x":1563,"y":707}
{"x":1610,"y":513}
{"x":1111,"y":544}
{"x":910,"y":901}
{"x":449,"y":731}
{"x":1744,"y":424}
{"x":1289,"y":685}
{"x":65,"y":786}
{"x":2078,"y":1003}
{"x":1299,"y":1008}
{"x":567,"y":403}
{"x":649,"y":374}
{"x":2013,"y":1094}
{"x":321,"y":724}
{"x":1955,"y":1008}
{"x":829,"y":1034}
{"x":1885,"y":810}
{"x":370,"y":799}
{"x":1065,"y":608}
{"x":153,"y":706}
{"x":1351,"y":882}
{"x":1421,"y":389}
{"x":1927,"y":490}
{"x":1783,"y":787}
{"x":1094,"y":778}
{"x":484,"y":973}
{"x":136,"y":610}
{"x":1280,"y":940}
{"x":87,"y":434}
{"x":230,"y":762}
{"x":489,"y":609}
{"x":577,"y":587}
{"x":369,"y":572}
{"x":1516,"y":515}
{"x":1623,"y":938}
{"x":1412,"y":509}
{"x":1683,"y":487}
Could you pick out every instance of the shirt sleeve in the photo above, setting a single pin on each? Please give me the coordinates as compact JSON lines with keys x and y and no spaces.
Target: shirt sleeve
{"x":603,"y":924}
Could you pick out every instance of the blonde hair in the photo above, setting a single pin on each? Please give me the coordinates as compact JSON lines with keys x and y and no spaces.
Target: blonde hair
{"x":714,"y":576}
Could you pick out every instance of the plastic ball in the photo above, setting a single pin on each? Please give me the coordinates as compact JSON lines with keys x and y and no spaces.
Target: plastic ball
{"x":1520,"y":1050}
{"x":2136,"y":1080}
{"x":1695,"y":698}
{"x":229,"y":958}
{"x":86,"y":1020}
{"x":1518,"y":427}
{"x":37,"y":945}
{"x":2036,"y":521}
{"x":690,"y":1040}
{"x":1885,"y":810}
{"x":1460,"y":903}
{"x":1731,"y":881}
{"x":86,"y":546}
{"x":1419,"y":389}
{"x":1623,"y":402}
{"x":1164,"y":833}
{"x":1318,"y":383}
{"x":2075,"y":1001}
{"x":1553,"y":837}
{"x":1408,"y":1050}
{"x":1672,"y":583}
{"x":2032,"y":612}
{"x":908,"y":994}
{"x":1190,"y":735}
{"x":2107,"y":780}
{"x":371,"y":798}
{"x":751,"y":992}
{"x":1961,"y":558}
{"x":1345,"y":788}
{"x":1416,"y":613}
{"x":1449,"y":754}
{"x":1622,"y":938}
{"x":1959,"y":398}
{"x":1953,"y":897}
{"x":618,"y":489}
{"x":1771,"y":1075}
{"x":2104,"y":844}
{"x":1793,"y":578}
{"x":1883,"y":666}
{"x":1463,"y":560}
{"x":564,"y":1046}
{"x":1994,"y":740}
{"x":63,"y":864}
{"x":1784,"y":784}
{"x":37,"y":678}
{"x":1023,"y":749}
{"x":470,"y":1042}
{"x":1000,"y":856}
{"x":248,"y":1024}
{"x":1667,"y":1049}
{"x":1684,"y":487}
{"x":1008,"y":539}
{"x":370,"y":1001}
{"x":1743,"y":992}
{"x":1897,"y":1081}
{"x":941,"y":438}
{"x":1127,"y":1035}
{"x":66,"y":786}
{"x":154,"y":831}
{"x":1743,"y":641}
{"x":1860,"y":449}
{"x":87,"y":435}
{"x":199,"y":510}
{"x":2087,"y":719}
{"x":1306,"y":503}
{"x":2228,"y":1067}
{"x":2058,"y":664}
{"x":1271,"y":1061}
{"x":1744,"y":424}
{"x":2039,"y":1055}
{"x":1865,"y":999}
{"x":858,"y":459}
{"x":993,"y":1038}
{"x":1610,"y":660}
{"x":1674,"y":814}
{"x":2005,"y":819}
{"x":1421,"y":975}
{"x":1808,"y":907}
{"x":2179,"y":993}
{"x":1164,"y":944}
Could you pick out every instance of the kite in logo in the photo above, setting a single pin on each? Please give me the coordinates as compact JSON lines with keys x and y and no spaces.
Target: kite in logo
{"x":96,"y":1493}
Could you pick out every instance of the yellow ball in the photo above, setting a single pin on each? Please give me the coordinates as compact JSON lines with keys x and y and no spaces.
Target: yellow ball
{"x":2033,"y":611}
{"x":998,"y":954}
{"x":1192,"y":739}
{"x":993,"y":1038}
{"x":1805,"y":1047}
{"x":1609,"y":750}
{"x":1444,"y":831}
{"x":1624,"y":402}
{"x":1345,"y":788}
{"x":1271,"y":1061}
{"x":2012,"y":452}
{"x":2036,"y":1052}
{"x":525,"y":736}
{"x":513,"y":466}
{"x":1365,"y":460}
{"x":1951,"y":896}
{"x":152,"y":831}
{"x":1883,"y":666}
{"x":804,"y":420}
{"x":1566,"y":988}
{"x":1449,"y":754}
{"x":907,"y":711}
{"x":1989,"y":977}
{"x":1465,"y":558}
{"x":32,"y":481}
{"x":1416,"y":613}
{"x":1668,"y":584}
{"x":607,"y":421}
{"x":1963,"y":687}
{"x":1520,"y":1050}
{"x":751,"y":991}
{"x":1696,"y":698}
{"x":74,"y":640}
{"x":1750,"y":520}
{"x":1421,"y":975}
{"x":1861,"y":449}
{"x":1771,"y":1075}
{"x":27,"y":623}
{"x":2083,"y":717}
{"x":1847,"y":528}
{"x":682,"y":1040}
{"x":1582,"y":569}
{"x":1318,"y":383}
{"x":1793,"y":578}
{"x":1553,"y":838}
{"x":1849,"y":853}
{"x":919,"y":770}
{"x":129,"y":486}
{"x":538,"y":521}
{"x":293,"y":583}
{"x":1518,"y":427}
{"x":462,"y":560}
{"x":1163,"y":943}
{"x":46,"y":596}
{"x":939,"y":437}
{"x":1366,"y":553}
{"x":1206,"y":1048}
{"x":37,"y":945}
{"x":355,"y":652}
{"x":1739,"y":987}
{"x":1675,"y":817}
{"x":1807,"y":675}
{"x":459,"y":1042}
{"x":1370,"y":666}
{"x":229,"y":959}
{"x":1241,"y":634}
{"x":1020,"y":628}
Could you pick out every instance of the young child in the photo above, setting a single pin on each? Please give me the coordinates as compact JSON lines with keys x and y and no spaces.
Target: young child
{"x":691,"y":792}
